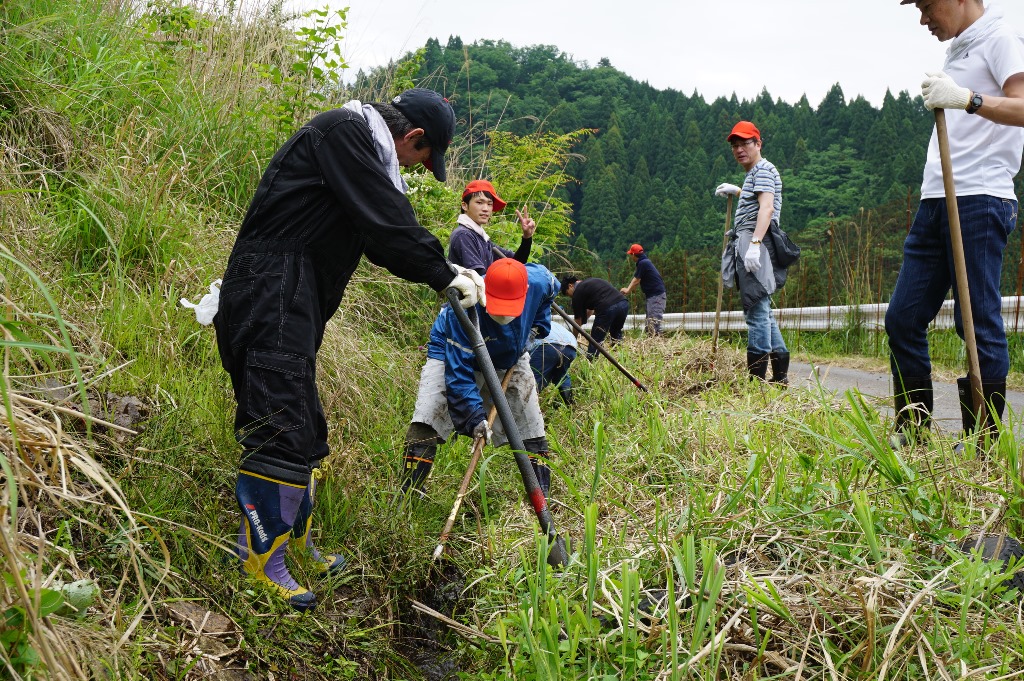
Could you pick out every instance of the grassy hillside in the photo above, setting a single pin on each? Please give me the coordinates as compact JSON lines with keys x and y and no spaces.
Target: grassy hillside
{"x":719,"y":529}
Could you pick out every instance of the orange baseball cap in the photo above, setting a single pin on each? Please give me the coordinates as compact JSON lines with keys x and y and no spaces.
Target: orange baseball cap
{"x":745,"y":130}
{"x":484,"y":186}
{"x":506,"y":282}
{"x":635,"y":249}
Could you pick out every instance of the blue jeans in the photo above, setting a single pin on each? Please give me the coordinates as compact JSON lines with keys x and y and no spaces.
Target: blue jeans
{"x":763,"y":335}
{"x":550,"y":363}
{"x":927,"y":275}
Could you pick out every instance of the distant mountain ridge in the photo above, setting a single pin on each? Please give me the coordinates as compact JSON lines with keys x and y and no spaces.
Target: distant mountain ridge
{"x":651,"y":168}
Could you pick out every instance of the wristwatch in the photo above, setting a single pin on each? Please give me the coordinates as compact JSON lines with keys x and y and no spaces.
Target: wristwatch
{"x":975,"y":102}
{"x":755,"y":241}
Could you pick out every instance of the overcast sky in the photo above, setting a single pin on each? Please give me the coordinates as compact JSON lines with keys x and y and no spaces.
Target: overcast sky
{"x":792,"y":47}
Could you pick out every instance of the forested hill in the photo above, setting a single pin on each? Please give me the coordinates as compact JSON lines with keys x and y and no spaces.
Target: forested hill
{"x":651,"y":168}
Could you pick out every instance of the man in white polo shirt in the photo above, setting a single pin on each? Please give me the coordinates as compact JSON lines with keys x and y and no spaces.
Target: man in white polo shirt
{"x":981,"y":86}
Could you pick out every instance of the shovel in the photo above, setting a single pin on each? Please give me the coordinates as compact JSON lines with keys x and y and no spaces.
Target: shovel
{"x":960,"y":268}
{"x":558,"y":556}
{"x":474,"y":461}
{"x":721,"y":284}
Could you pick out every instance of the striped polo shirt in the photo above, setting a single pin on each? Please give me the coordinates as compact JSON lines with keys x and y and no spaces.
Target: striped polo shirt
{"x":763,"y":177}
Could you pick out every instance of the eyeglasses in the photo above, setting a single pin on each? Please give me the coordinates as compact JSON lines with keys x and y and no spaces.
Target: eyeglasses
{"x":741,"y":143}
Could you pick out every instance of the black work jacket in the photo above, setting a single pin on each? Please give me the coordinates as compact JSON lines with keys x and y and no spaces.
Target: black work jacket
{"x":326,"y":193}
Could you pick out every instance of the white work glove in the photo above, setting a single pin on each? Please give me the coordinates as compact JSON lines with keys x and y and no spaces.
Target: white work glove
{"x":481,"y":430}
{"x":726,"y":189}
{"x":206,"y":308}
{"x":941,"y":92}
{"x":470,"y":285}
{"x":752,"y":258}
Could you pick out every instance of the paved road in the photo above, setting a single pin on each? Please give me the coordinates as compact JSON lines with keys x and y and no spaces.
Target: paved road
{"x":841,"y":379}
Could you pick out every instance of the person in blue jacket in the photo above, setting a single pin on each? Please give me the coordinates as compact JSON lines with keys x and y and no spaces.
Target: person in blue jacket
{"x":550,"y":358}
{"x":452,"y":397}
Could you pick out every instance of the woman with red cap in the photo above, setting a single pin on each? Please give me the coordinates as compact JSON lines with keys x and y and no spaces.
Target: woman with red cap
{"x":470,"y":247}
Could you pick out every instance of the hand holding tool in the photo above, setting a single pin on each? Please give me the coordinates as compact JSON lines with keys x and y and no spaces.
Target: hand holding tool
{"x":470,"y":286}
{"x":960,"y":267}
{"x":941,"y":92}
{"x":482,"y":431}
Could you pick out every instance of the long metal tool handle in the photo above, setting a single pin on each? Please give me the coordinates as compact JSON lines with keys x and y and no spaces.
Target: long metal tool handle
{"x":721,"y":282}
{"x":474,"y":461}
{"x":558,"y":556}
{"x":960,"y":267}
{"x":590,"y":339}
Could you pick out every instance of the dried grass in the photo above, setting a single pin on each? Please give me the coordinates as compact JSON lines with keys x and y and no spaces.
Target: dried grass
{"x":55,"y":486}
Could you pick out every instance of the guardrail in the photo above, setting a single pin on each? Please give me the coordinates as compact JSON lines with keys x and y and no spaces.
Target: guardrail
{"x":824,"y":318}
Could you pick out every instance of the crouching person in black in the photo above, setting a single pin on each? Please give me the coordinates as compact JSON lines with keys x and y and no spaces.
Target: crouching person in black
{"x":607,"y":304}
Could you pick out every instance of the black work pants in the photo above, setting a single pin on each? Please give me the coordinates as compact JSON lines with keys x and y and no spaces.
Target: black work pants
{"x":608,"y":321}
{"x":269,"y":327}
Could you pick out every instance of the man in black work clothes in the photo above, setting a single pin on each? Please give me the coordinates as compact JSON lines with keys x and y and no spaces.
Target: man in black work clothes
{"x":648,"y":278}
{"x":333,"y":192}
{"x":607,"y":303}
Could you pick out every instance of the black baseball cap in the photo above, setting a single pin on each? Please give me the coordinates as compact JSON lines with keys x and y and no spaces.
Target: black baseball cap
{"x":428,"y":110}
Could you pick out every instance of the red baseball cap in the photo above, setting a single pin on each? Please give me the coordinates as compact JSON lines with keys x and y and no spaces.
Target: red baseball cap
{"x":506,"y":282}
{"x":745,"y":130}
{"x":484,"y":186}
{"x":635,"y":249}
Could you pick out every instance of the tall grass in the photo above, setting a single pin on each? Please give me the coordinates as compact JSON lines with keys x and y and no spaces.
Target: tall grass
{"x":57,"y":488}
{"x":828,"y":567}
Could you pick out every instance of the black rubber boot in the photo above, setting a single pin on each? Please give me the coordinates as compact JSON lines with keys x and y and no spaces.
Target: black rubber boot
{"x":757,"y":364}
{"x":994,"y":393}
{"x":542,"y":471}
{"x":567,"y":397}
{"x":420,"y":449}
{"x":419,"y":459}
{"x":780,"y":367}
{"x":913,"y":401}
